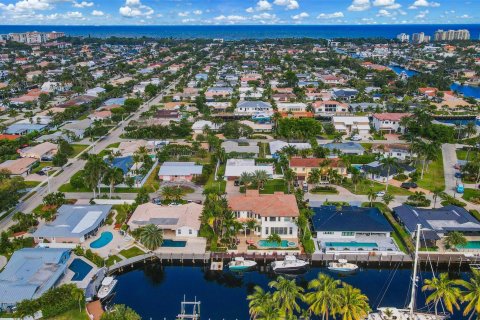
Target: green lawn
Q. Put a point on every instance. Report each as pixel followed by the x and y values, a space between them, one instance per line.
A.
pixel 153 182
pixel 31 184
pixel 131 252
pixel 462 154
pixel 73 314
pixel 364 187
pixel 400 235
pixel 471 194
pixel 43 165
pixel 270 187
pixel 434 177
pixel 121 215
pixel 112 260
pixel 217 185
pixel 77 148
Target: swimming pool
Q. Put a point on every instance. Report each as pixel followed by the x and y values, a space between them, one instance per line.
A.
pixel 168 243
pixel 471 245
pixel 271 244
pixel 352 244
pixel 80 268
pixel 104 239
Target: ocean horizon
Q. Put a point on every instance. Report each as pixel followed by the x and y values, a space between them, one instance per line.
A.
pixel 239 32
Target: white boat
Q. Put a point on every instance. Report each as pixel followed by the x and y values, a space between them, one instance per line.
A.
pixel 342 266
pixel 108 283
pixel 289 264
pixel 388 313
pixel 240 264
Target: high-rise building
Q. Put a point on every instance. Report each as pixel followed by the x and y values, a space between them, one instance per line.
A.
pixel 34 37
pixel 403 37
pixel 452 35
pixel 418 37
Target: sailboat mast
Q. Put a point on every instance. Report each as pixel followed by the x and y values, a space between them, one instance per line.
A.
pixel 415 270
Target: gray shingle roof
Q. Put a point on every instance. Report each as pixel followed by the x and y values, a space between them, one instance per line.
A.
pixel 179 169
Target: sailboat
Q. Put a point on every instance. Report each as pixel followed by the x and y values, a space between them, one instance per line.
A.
pixel 388 313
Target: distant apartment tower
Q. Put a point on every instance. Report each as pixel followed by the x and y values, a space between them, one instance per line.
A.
pixel 451 35
pixel 419 37
pixel 403 37
pixel 35 37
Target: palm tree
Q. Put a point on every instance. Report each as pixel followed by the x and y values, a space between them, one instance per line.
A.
pixel 444 290
pixel 94 170
pixel 168 193
pixel 356 178
pixel 252 224
pixel 353 304
pixel 245 179
pixel 274 238
pixel 454 239
pixel 314 176
pixel 257 301
pixel 286 295
pixel 78 294
pixel 389 163
pixel 372 196
pixel 324 297
pixel 471 294
pixel 113 177
pixel 151 237
pixel 289 176
pixel 387 198
pixel 436 193
pixel 260 177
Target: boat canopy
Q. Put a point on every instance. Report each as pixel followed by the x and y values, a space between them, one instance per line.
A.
pixel 342 260
pixel 107 281
pixel 239 259
pixel 290 258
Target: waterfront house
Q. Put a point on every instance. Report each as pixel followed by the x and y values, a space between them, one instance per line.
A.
pixel 19 167
pixel 30 272
pixel 175 221
pixel 437 223
pixel 73 224
pixel 253 107
pixel 236 167
pixel 378 172
pixel 200 125
pixel 389 122
pixel 25 128
pixel 303 166
pixel 352 228
pixel 345 148
pixel 43 151
pixel 275 213
pixel 351 125
pixel 179 171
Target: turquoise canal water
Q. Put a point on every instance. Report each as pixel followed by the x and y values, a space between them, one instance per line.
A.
pixel 101 242
pixel 399 70
pixel 351 244
pixel 155 291
pixel 80 268
pixel 468 91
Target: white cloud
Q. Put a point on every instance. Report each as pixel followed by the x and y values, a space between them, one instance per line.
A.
pixel 265 16
pixel 422 14
pixel 383 13
pixel 134 8
pixel 288 4
pixel 183 14
pixel 197 12
pixel 300 16
pixel 97 13
pixel 74 15
pixel 465 16
pixel 23 6
pixel 359 5
pixel 334 15
pixel 263 5
pixel 424 3
pixel 230 18
pixel 82 4
pixel 250 10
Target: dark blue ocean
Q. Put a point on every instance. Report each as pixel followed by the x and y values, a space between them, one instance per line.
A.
pixel 245 31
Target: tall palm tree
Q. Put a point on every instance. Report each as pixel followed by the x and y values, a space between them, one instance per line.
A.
pixel 356 178
pixel 79 295
pixel 443 290
pixel 389 163
pixel 471 294
pixel 112 177
pixel 94 170
pixel 246 179
pixel 168 193
pixel 289 176
pixel 257 301
pixel 372 196
pixel 151 237
pixel 436 193
pixel 454 239
pixel 353 304
pixel 287 295
pixel 314 176
pixel 324 297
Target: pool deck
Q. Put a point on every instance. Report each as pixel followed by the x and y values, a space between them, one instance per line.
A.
pixel 386 245
pixel 67 278
pixel 117 244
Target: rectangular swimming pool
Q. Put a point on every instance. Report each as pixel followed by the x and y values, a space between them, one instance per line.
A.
pixel 471 245
pixel 80 268
pixel 168 243
pixel 271 244
pixel 352 244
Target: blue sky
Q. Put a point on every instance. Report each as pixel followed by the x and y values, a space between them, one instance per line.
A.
pixel 211 12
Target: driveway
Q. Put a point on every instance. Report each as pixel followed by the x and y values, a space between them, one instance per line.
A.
pixel 449 155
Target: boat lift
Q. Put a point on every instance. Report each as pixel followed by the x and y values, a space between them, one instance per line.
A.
pixel 194 307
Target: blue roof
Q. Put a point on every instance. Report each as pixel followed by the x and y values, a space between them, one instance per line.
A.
pixel 328 218
pixel 123 163
pixel 344 146
pixel 119 101
pixel 30 272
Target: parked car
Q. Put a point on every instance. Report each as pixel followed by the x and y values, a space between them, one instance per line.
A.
pixel 157 201
pixel 236 183
pixel 409 185
pixel 458 174
pixel 356 138
pixel 460 188
pixel 46 169
pixel 41 173
pixel 305 186
pixel 380 193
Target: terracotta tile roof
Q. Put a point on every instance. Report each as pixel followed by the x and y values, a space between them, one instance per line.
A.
pixel 314 162
pixel 9 137
pixel 391 116
pixel 266 205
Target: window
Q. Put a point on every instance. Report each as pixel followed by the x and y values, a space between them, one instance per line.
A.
pixel 190 231
pixel 279 230
pixel 348 234
pixel 291 230
pixel 273 219
pixel 286 219
pixel 266 230
pixel 327 232
pixel 179 231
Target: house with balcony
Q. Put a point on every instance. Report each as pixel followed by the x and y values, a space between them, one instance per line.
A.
pixel 275 213
pixel 350 125
pixel 303 166
pixel 389 122
pixel 329 107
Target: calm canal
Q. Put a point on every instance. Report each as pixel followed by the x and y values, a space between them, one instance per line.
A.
pixel 155 291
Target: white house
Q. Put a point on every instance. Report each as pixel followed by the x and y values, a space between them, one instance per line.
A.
pixel 275 213
pixel 348 125
pixel 253 107
pixel 389 122
pixel 292 107
pixel 236 167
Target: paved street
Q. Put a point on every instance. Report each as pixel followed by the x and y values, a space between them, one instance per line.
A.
pixel 449 160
